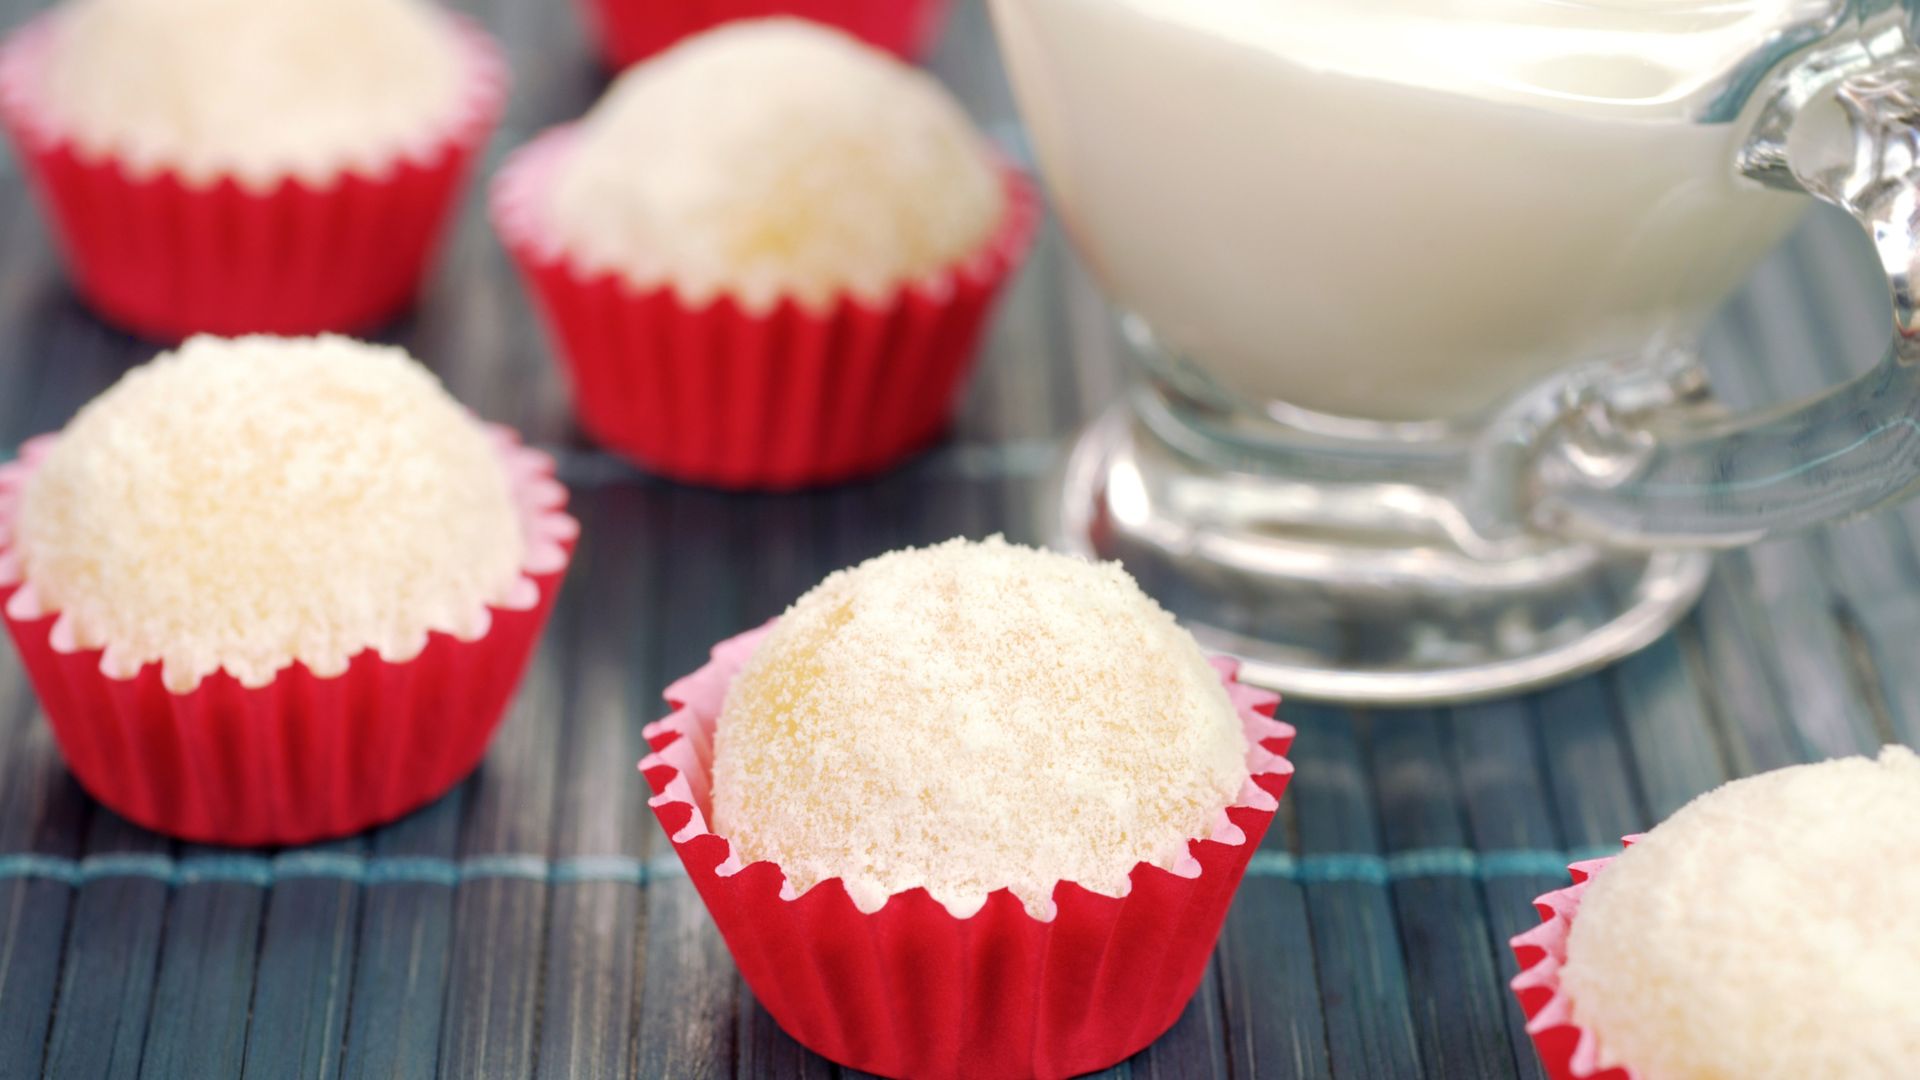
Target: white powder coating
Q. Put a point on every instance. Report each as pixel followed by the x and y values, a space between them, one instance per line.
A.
pixel 261 89
pixel 242 504
pixel 775 158
pixel 1768 929
pixel 969 717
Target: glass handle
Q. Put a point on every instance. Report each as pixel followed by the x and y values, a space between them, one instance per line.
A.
pixel 1845 128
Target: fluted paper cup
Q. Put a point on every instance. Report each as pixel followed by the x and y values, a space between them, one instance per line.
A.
pixel 166 257
pixel 719 395
pixel 912 990
pixel 1567 1050
pixel 631 30
pixel 304 757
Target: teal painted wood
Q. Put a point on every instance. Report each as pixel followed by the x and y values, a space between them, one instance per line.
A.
pixel 402 955
pixel 112 958
pixel 690 991
pixel 766 1051
pixel 100 1025
pixel 33 922
pixel 205 984
pixel 1758 737
pixel 1494 751
pixel 1363 983
pixel 1670 726
pixel 591 976
pixel 487 1029
pixel 590 1017
pixel 493 991
pixel 1819 704
pixel 304 977
pixel 1452 983
pixel 43 812
pixel 475 326
pixel 1334 965
pixel 1879 623
pixel 1593 791
pixel 1195 1047
pixel 1269 990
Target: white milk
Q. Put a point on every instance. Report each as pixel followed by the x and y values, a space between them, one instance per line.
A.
pixel 1399 209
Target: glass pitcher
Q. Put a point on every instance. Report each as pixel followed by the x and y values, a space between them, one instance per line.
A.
pixel 1415 287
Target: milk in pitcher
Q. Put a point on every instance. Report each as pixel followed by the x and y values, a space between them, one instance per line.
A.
pixel 1401 210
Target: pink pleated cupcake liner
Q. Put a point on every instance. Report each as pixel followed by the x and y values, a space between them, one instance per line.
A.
pixel 1567 1050
pixel 304 757
pixel 912 990
pixel 632 30
pixel 166 257
pixel 717 395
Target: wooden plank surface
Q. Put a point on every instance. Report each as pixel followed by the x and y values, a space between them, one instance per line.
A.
pixel 43 817
pixel 1452 957
pixel 1363 980
pixel 1494 752
pixel 204 989
pixel 533 922
pixel 303 982
pixel 404 949
pixel 112 958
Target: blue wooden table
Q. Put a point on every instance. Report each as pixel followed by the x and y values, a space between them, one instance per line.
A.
pixel 534 921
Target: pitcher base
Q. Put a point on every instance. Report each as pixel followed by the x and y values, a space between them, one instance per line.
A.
pixel 1361 593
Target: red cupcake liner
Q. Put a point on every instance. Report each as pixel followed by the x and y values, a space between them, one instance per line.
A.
pixel 725 397
pixel 1567 1050
pixel 631 30
pixel 911 990
pixel 165 258
pixel 303 758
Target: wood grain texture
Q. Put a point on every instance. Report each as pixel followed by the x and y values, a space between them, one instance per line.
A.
pixel 612 681
pixel 1269 989
pixel 1594 794
pixel 1452 984
pixel 1195 1047
pixel 1494 752
pixel 403 953
pixel 205 985
pixel 489 1027
pixel 43 813
pixel 112 957
pixel 1363 981
pixel 530 923
pixel 766 1051
pixel 304 977
pixel 1669 725
pixel 690 993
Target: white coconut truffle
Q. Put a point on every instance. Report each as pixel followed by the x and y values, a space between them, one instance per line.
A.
pixel 260 89
pixel 970 717
pixel 775 158
pixel 1766 930
pixel 243 504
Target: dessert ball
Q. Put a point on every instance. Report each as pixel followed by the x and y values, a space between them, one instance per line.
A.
pixel 260 89
pixel 1767 929
pixel 772 159
pixel 970 717
pixel 244 504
